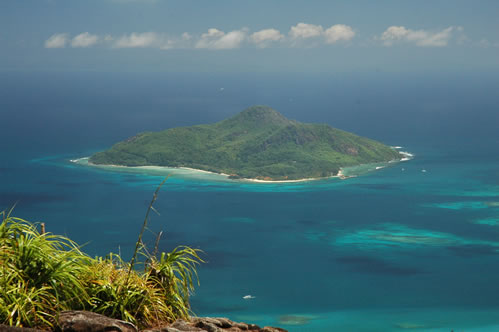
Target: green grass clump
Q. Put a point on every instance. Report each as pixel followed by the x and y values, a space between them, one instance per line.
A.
pixel 156 296
pixel 43 274
pixel 39 274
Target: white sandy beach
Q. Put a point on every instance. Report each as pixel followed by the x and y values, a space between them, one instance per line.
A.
pixel 339 175
pixel 162 169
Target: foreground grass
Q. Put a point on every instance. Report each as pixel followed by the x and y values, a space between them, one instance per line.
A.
pixel 43 274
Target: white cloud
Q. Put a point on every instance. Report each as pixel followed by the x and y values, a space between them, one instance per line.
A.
pixel 212 33
pixel 339 32
pixel 419 37
pixel 84 40
pixel 264 37
pixel 304 30
pixel 138 40
pixel 57 40
pixel 217 39
pixel 209 38
pixel 145 40
pixel 394 33
pixel 436 39
pixel 336 33
pixel 231 40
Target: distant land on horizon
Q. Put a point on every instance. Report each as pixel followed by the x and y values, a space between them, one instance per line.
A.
pixel 257 143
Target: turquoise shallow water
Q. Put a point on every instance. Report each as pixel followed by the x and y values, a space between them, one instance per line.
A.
pixel 391 250
pixel 409 247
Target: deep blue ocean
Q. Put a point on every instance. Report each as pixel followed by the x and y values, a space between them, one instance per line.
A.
pixel 414 246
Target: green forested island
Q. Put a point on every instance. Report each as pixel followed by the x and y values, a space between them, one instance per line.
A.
pixel 257 143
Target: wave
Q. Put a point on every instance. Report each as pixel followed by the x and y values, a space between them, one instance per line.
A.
pixel 407 155
pixel 79 159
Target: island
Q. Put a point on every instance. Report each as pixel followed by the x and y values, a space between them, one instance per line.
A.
pixel 258 143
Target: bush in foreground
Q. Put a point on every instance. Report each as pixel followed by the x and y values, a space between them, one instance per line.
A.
pixel 43 274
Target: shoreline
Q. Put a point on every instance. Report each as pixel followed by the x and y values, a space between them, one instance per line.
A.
pixel 151 167
pixel 340 175
pixel 226 176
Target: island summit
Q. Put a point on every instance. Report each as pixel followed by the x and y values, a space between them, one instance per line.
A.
pixel 258 143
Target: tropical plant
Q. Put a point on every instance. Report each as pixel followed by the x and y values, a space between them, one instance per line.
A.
pixel 175 272
pixel 43 274
pixel 115 293
pixel 39 274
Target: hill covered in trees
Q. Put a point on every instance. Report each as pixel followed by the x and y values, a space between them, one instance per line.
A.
pixel 257 143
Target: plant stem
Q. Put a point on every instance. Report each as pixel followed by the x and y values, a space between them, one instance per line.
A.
pixel 139 240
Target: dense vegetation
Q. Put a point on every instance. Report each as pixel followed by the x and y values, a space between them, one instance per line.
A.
pixel 43 274
pixel 257 143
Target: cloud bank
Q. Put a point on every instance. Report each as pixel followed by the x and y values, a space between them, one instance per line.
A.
pixel 425 38
pixel 300 35
pixel 334 34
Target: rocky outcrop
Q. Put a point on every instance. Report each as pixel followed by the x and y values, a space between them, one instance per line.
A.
pixel 84 321
pixel 209 324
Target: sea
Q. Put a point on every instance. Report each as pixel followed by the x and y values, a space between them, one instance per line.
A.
pixel 413 246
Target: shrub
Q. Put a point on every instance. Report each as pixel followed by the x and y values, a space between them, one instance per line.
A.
pixel 39 274
pixel 42 274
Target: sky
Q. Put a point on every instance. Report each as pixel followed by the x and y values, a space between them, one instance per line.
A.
pixel 249 35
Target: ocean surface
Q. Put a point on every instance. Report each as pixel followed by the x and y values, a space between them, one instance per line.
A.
pixel 413 246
